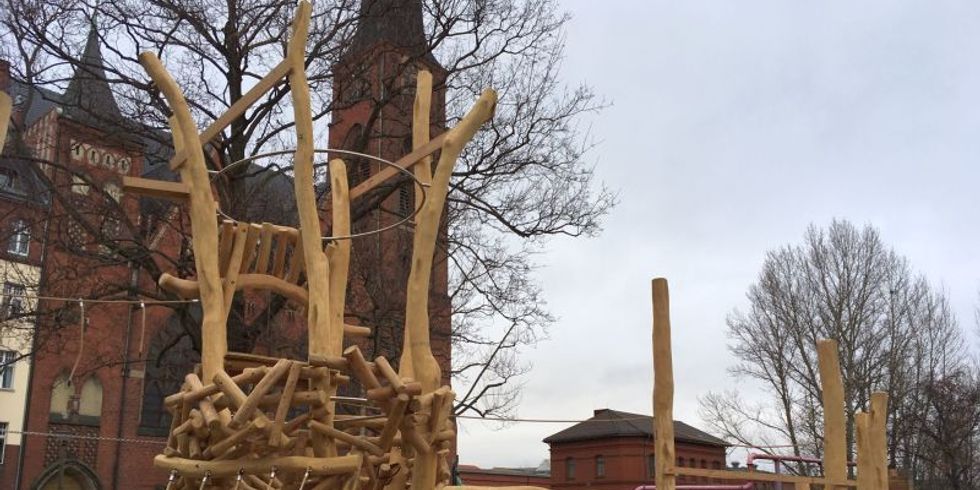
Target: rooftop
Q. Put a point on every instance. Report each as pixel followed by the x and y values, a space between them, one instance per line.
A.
pixel 606 423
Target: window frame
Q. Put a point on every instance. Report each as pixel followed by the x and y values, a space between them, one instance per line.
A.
pixel 600 466
pixel 20 238
pixel 14 297
pixel 3 440
pixel 7 370
pixel 569 468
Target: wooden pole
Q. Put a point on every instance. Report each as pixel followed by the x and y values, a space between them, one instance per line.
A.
pixel 317 269
pixel 6 107
pixel 203 212
pixel 426 368
pixel 338 252
pixel 879 439
pixel 865 465
pixel 663 389
pixel 835 434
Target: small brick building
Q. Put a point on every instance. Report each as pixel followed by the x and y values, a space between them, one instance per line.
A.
pixel 614 450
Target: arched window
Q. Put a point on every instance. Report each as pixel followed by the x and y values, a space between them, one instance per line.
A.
pixel 61 393
pixel 651 465
pixel 680 461
pixel 716 465
pixel 600 466
pixel 569 468
pixel 90 400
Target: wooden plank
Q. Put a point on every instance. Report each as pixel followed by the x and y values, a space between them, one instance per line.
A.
pixel 265 248
pixel 759 476
pixel 162 189
pixel 835 432
pixel 226 240
pixel 238 238
pixel 194 173
pixel 338 252
pixel 663 389
pixel 285 237
pixel 6 108
pixel 425 368
pixel 865 465
pixel 339 465
pixel 237 109
pixel 879 439
pixel 250 241
pixel 407 162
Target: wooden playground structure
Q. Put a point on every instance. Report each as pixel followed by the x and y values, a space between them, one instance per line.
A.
pixel 243 421
pixel 871 451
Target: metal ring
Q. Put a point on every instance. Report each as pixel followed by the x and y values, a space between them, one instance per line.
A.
pixel 421 186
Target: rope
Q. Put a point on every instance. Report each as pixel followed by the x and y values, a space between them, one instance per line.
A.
pixel 86 437
pixel 97 300
pixel 81 343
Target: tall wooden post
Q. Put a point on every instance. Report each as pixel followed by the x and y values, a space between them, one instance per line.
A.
pixel 835 434
pixel 865 465
pixel 6 107
pixel 204 226
pixel 879 438
pixel 663 389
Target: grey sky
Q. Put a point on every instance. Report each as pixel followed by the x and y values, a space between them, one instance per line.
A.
pixel 735 124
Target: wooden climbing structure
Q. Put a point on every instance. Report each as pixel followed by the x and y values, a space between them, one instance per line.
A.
pixel 871 450
pixel 246 421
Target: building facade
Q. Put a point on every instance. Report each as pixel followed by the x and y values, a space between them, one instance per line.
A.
pixel 615 450
pixel 97 381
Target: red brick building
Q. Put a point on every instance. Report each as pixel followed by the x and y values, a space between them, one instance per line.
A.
pixel 98 425
pixel 504 477
pixel 614 450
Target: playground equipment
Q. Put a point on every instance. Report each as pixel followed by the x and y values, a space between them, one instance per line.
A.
pixel 235 422
pixel 872 460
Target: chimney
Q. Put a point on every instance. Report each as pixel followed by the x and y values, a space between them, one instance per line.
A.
pixel 4 75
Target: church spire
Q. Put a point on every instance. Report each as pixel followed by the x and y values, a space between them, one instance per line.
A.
pixel 89 98
pixel 396 22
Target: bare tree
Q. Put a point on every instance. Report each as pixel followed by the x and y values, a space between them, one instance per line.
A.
pixel 896 334
pixel 524 180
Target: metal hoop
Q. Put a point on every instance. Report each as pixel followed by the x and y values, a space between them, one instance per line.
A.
pixel 419 184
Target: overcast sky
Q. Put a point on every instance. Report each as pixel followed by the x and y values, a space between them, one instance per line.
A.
pixel 734 125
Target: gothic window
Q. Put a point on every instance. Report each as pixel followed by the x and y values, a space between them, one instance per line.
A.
pixel 406 199
pixel 358 169
pixel 20 238
pixel 90 399
pixel 61 395
pixel 76 236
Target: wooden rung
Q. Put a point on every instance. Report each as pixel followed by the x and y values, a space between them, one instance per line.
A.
pixel 389 373
pixel 265 248
pixel 250 248
pixel 163 189
pixel 297 264
pixel 284 240
pixel 360 367
pixel 226 239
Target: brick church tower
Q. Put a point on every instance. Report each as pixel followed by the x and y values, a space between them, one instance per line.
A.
pixel 373 97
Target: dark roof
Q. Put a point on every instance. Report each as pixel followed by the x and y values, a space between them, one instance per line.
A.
pixel 607 423
pixel 398 22
pixel 89 98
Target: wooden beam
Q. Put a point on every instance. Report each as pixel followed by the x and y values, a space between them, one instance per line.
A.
pixel 237 109
pixel 879 439
pixel 214 340
pixel 6 108
pixel 663 389
pixel 759 476
pixel 835 432
pixel 163 189
pixel 407 162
